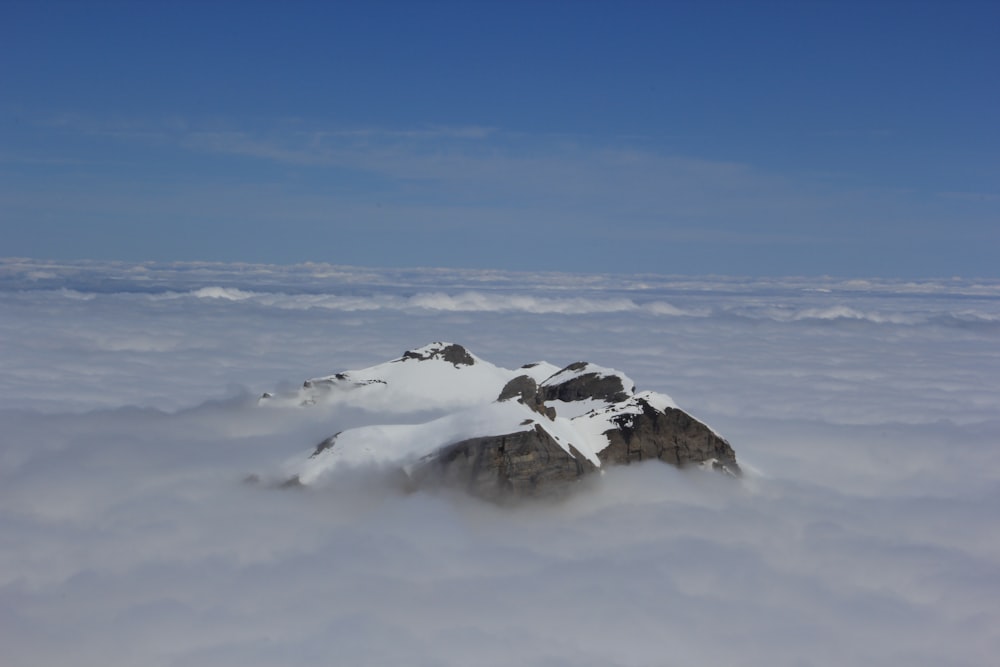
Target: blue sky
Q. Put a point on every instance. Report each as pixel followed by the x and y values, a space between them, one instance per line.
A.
pixel 735 138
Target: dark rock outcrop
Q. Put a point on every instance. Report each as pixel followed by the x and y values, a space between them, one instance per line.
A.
pixel 584 385
pixel 453 354
pixel 526 463
pixel 326 444
pixel 525 389
pixel 670 435
pixel 531 463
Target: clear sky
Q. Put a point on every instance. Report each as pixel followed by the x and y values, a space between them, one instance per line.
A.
pixel 764 138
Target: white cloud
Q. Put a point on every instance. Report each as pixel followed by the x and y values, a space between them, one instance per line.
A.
pixel 127 536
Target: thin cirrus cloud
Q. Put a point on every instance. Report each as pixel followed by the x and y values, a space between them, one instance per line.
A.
pixel 863 412
pixel 510 200
pixel 488 164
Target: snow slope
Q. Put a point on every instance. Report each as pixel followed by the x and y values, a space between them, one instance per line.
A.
pixel 420 380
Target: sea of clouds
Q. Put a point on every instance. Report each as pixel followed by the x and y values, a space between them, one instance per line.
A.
pixel 864 411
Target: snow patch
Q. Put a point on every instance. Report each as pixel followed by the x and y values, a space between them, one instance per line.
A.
pixel 406 384
pixel 407 443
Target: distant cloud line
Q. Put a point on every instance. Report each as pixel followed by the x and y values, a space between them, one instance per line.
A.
pixel 33 273
pixel 475 301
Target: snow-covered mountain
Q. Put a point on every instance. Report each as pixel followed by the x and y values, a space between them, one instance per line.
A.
pixel 523 431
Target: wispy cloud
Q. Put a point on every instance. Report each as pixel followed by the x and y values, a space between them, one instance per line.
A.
pixel 489 183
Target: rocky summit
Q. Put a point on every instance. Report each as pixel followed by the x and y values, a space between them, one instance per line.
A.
pixel 495 432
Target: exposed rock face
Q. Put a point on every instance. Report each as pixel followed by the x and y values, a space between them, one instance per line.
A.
pixel 531 463
pixel 546 429
pixel 579 385
pixel 326 444
pixel 526 463
pixel 453 354
pixel 670 435
pixel 525 389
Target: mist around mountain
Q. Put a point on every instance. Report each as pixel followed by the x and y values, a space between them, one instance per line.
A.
pixel 861 530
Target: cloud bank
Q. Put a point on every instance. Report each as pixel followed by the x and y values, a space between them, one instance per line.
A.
pixel 864 413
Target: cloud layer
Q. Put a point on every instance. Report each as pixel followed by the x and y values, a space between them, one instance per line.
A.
pixel 865 414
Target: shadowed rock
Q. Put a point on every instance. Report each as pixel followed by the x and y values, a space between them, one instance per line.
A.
pixel 527 463
pixel 454 354
pixel 532 462
pixel 586 385
pixel 525 389
pixel 670 435
pixel 325 445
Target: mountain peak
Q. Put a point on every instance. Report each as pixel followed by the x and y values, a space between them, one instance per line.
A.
pixel 450 352
pixel 496 431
